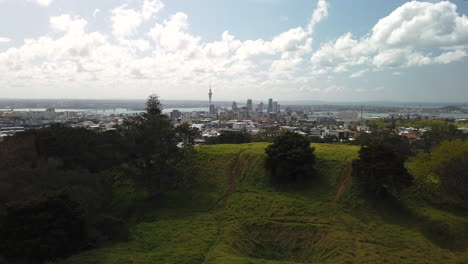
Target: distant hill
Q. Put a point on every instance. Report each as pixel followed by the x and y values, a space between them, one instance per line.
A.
pixel 452 108
pixel 234 215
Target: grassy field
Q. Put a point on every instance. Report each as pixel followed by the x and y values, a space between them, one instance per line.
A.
pixel 234 215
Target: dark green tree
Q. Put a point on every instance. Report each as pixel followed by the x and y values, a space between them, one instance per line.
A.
pixel 380 170
pixel 454 176
pixel 330 139
pixel 388 138
pixel 150 134
pixel 439 132
pixel 230 137
pixel 152 141
pixel 290 158
pixel 267 134
pixel 47 227
pixel 187 136
pixel 78 147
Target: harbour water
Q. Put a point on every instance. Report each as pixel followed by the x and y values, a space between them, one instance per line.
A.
pixel 201 109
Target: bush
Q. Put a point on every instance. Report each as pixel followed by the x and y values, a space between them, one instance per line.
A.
pixel 290 159
pixel 380 171
pixel 47 227
pixel 230 137
pixel 267 134
pixel 454 176
pixel 107 228
pixel 438 133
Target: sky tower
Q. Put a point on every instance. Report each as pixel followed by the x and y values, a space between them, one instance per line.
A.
pixel 210 94
pixel 212 108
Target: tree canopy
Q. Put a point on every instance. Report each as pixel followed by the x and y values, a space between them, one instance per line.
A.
pixel 57 183
pixel 290 158
pixel 43 228
pixel 230 137
pixel 380 169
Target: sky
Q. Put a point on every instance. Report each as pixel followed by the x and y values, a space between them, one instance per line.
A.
pixel 328 50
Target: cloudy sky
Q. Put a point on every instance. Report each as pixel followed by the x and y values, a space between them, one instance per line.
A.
pixel 334 50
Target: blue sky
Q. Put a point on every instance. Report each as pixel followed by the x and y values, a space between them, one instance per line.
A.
pixel 360 50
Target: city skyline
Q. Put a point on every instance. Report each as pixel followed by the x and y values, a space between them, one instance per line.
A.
pixel 307 50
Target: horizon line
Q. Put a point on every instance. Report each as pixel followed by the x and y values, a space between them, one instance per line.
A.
pixel 240 100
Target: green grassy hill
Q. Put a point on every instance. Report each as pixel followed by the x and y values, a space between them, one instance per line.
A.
pixel 233 215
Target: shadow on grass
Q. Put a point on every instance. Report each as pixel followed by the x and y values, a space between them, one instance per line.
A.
pixel 442 234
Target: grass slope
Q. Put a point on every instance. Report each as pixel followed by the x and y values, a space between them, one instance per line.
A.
pixel 234 215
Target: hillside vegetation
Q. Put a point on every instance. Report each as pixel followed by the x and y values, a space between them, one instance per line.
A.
pixel 234 215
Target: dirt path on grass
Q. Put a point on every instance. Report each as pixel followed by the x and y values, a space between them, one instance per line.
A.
pixel 235 175
pixel 347 175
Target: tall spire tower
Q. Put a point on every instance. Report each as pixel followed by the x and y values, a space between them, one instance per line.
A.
pixel 210 94
pixel 212 108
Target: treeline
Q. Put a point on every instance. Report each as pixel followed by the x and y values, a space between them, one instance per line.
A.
pixel 438 132
pixel 264 135
pixel 240 137
pixel 57 193
pixel 380 170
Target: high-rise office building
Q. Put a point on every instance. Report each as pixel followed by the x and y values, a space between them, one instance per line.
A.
pixel 274 107
pixel 234 106
pixel 175 114
pixel 260 107
pixel 249 105
pixel 270 105
pixel 211 107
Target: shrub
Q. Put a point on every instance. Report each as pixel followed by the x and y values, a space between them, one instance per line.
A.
pixel 290 159
pixel 454 176
pixel 230 137
pixel 380 169
pixel 46 227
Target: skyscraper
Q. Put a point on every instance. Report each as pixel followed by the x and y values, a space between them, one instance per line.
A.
pixel 274 107
pixel 212 108
pixel 249 105
pixel 234 106
pixel 260 108
pixel 270 105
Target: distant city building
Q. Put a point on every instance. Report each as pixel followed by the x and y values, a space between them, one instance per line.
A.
pixel 212 110
pixel 270 105
pixel 234 106
pixel 274 107
pixel 211 107
pixel 349 116
pixel 50 113
pixel 175 114
pixel 260 107
pixel 249 105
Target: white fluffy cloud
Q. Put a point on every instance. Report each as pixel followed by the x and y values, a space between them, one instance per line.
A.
pixel 43 2
pixel 125 21
pixel 68 24
pixel 4 40
pixel 415 34
pixel 173 57
pixel 318 15
pixel 143 53
pixel 96 12
pixel 172 36
pixel 358 74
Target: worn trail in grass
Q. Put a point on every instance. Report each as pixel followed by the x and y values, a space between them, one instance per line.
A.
pixel 234 215
pixel 347 174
